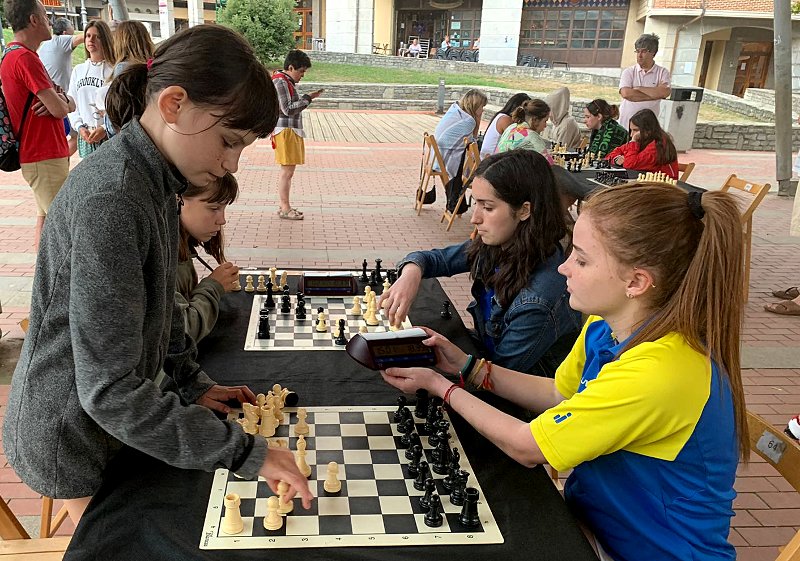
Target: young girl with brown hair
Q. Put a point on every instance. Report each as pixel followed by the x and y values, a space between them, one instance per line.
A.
pixel 648 408
pixel 529 119
pixel 650 148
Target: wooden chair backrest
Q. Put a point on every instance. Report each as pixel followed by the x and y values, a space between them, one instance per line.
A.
pixel 748 195
pixel 772 444
pixel 472 160
pixel 10 527
pixel 431 153
pixel 686 171
pixel 425 47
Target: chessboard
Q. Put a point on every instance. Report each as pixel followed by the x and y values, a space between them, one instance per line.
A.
pixel 288 333
pixel 378 504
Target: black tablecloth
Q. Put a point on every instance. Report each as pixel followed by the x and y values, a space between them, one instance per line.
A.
pixel 147 510
pixel 577 183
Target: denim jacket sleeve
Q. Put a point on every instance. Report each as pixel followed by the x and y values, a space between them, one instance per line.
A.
pixel 528 332
pixel 439 262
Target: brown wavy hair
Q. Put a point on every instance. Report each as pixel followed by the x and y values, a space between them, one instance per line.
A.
pixel 105 37
pixel 517 177
pixel 532 112
pixel 697 269
pixel 132 43
pixel 650 131
pixel 223 191
pixel 603 108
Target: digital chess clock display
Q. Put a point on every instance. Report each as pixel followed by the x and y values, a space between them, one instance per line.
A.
pixel 392 348
pixel 329 284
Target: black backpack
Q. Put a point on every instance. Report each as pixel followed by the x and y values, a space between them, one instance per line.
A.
pixel 9 145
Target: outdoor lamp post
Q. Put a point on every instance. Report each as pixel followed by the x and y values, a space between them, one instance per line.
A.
pixel 83 15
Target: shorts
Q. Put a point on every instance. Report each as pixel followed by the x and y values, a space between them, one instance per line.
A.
pixel 290 149
pixel 45 178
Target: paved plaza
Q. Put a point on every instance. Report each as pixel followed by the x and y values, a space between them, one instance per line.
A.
pixel 357 192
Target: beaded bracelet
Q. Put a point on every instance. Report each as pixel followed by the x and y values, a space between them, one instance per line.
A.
pixel 446 398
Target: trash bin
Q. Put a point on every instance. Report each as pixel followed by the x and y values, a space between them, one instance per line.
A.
pixel 678 115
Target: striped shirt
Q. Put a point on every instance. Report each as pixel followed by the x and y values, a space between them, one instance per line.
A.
pixel 291 105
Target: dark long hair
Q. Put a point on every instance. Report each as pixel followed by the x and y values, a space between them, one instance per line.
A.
pixel 603 108
pixel 650 131
pixel 532 112
pixel 519 176
pixel 513 102
pixel 223 191
pixel 218 70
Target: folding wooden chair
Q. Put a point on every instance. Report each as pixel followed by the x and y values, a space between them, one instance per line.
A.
pixel 430 154
pixel 782 453
pixel 686 170
pixel 49 525
pixel 471 161
pixel 748 196
pixel 17 544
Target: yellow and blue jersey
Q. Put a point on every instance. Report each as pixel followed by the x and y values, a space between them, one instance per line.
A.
pixel 652 440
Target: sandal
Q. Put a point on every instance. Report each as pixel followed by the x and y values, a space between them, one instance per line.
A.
pixel 788 294
pixel 291 214
pixel 785 308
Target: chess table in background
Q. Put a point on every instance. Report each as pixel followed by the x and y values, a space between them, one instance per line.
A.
pixel 378 504
pixel 288 333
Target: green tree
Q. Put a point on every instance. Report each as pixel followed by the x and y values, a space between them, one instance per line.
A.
pixel 267 24
pixel 796 7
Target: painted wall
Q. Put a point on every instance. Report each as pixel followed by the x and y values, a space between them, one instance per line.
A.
pixel 633 30
pixel 384 24
pixel 349 26
pixel 500 26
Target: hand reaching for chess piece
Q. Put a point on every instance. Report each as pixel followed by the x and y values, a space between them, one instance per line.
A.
pixel 397 300
pixel 280 465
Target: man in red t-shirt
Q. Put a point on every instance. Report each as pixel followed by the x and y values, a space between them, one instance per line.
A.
pixel 43 150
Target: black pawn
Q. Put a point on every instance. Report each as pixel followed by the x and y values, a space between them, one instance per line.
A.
pixel 286 304
pixel 458 494
pixel 270 303
pixel 414 440
pixel 434 517
pixel 416 456
pixel 431 417
pixel 423 474
pixel 421 409
pixel 403 425
pixel 300 310
pixel 401 403
pixel 391 274
pixel 425 500
pixel 340 338
pixel 364 277
pixel 469 517
pixel 446 314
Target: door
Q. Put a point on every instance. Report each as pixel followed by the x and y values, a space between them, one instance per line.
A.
pixel 303 33
pixel 752 67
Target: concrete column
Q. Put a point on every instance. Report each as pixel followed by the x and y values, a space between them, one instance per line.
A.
pixel 166 14
pixel 316 18
pixel 195 10
pixel 349 25
pixel 500 28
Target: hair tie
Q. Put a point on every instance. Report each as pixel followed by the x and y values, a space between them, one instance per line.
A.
pixel 695 204
pixel 149 63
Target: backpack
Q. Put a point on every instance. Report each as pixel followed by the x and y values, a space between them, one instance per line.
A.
pixel 9 145
pixel 455 188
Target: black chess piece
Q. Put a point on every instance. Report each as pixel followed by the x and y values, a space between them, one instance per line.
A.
pixel 263 325
pixel 416 456
pixel 431 418
pixel 569 165
pixel 270 302
pixel 580 165
pixel 405 440
pixel 455 466
pixel 441 455
pixel 445 313
pixel 401 402
pixel 391 274
pixel 430 488
pixel 433 517
pixel 364 267
pixel 300 310
pixel 340 338
pixel 421 408
pixel 286 303
pixel 403 426
pixel 378 271
pixel 469 517
pixel 423 474
pixel 414 440
pixel 457 495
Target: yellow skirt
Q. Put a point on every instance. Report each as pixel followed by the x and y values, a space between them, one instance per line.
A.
pixel 290 150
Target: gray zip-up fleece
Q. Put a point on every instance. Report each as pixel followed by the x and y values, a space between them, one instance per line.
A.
pixel 103 322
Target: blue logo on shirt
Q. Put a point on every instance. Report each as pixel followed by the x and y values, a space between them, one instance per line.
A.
pixel 559 418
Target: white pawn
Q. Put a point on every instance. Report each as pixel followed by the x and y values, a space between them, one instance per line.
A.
pixel 284 506
pixel 367 290
pixel 332 483
pixel 301 462
pixel 261 287
pixel 301 427
pixel 237 286
pixel 356 309
pixel 248 284
pixel 371 317
pixel 276 390
pixel 273 520
pixel 322 325
pixel 386 285
pixel 284 279
pixel 232 523
pixel 261 400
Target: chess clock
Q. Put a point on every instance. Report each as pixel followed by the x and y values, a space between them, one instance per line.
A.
pixel 328 284
pixel 379 351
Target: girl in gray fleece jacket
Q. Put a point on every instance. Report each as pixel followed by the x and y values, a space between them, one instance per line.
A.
pixel 103 313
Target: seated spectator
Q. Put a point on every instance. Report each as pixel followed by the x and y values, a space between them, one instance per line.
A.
pixel 520 309
pixel 607 133
pixel 501 121
pixel 565 129
pixel 650 148
pixel 459 123
pixel 202 217
pixel 414 48
pixel 528 121
pixel 445 46
pixel 476 44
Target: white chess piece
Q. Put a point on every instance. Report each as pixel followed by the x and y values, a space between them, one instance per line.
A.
pixel 273 277
pixel 300 459
pixel 367 290
pixel 261 287
pixel 332 483
pixel 356 309
pixel 261 400
pixel 268 424
pixel 322 325
pixel 284 506
pixel 248 284
pixel 273 520
pixel 301 427
pixel 371 317
pixel 386 285
pixel 363 329
pixel 232 523
pixel 284 279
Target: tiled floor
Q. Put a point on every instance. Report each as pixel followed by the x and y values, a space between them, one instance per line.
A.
pixel 358 201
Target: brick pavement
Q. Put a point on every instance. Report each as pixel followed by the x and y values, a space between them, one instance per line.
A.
pixel 358 201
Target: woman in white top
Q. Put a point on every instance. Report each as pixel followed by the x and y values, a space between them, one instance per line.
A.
pixel 500 123
pixel 459 123
pixel 87 78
